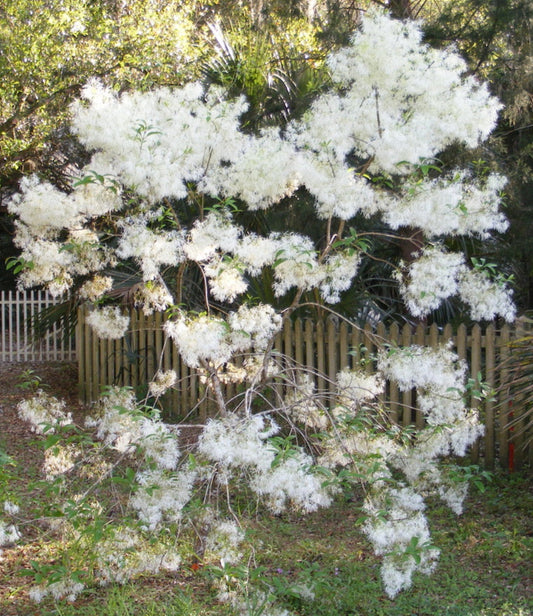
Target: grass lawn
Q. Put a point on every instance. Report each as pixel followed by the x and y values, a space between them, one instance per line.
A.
pixel 318 565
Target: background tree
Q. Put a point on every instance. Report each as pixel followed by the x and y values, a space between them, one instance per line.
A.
pixel 495 38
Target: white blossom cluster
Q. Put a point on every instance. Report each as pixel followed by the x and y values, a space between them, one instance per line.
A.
pixel 396 524
pixel 486 298
pixel 176 136
pixel 150 249
pixel 108 322
pixel 56 264
pixel 438 376
pixel 213 340
pixel 161 495
pixel 409 112
pixel 43 214
pixel 63 589
pixel 354 387
pixel 437 275
pixel 59 460
pixel 403 525
pixel 165 143
pixel 96 287
pixel 163 381
pixel 301 404
pixel 11 508
pixel 273 165
pixel 233 443
pixel 8 533
pixel 223 542
pixel 122 426
pixel 451 205
pixel 44 412
pixel 240 446
pixel 127 554
pixel 430 279
pixel 291 483
pixel 152 296
pixel 44 210
pixel 226 278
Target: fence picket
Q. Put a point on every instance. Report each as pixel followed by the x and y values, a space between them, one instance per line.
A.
pixel 475 369
pixel 490 340
pixel 394 392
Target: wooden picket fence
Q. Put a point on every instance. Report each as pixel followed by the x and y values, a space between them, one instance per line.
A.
pixel 323 348
pixel 18 309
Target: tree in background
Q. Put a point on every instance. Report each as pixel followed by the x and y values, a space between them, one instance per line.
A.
pixel 495 39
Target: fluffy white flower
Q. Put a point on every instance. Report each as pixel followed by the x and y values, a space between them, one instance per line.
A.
pixel 152 296
pixel 158 141
pixel 436 373
pixel 11 508
pixel 161 496
pixel 355 387
pixel 411 111
pixel 430 279
pixel 454 496
pixel 270 161
pixel 95 288
pixel 236 444
pixel 44 412
pixel 59 460
pixel 296 264
pixel 233 442
pixel 223 542
pixel 301 404
pixel 63 589
pixel 339 271
pixel 45 210
pixel 291 483
pixel 403 527
pixel 455 204
pixel 486 299
pixel 108 322
pixel 256 252
pixel 149 248
pixel 163 381
pixel 201 339
pixel 338 191
pixel 123 427
pixel 50 265
pixel 216 233
pixel 127 554
pixel 253 326
pixel 8 533
pixel 42 207
pixel 226 279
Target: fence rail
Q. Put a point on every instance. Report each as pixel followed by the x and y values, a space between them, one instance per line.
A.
pixel 323 348
pixel 18 311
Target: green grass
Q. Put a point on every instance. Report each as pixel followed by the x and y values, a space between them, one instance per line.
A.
pixel 484 569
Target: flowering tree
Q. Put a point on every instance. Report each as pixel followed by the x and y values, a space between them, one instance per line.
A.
pixel 171 176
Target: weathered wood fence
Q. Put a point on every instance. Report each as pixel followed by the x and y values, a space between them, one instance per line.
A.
pixel 17 340
pixel 323 348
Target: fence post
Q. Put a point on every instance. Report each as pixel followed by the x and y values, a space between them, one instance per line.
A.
pixel 490 338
